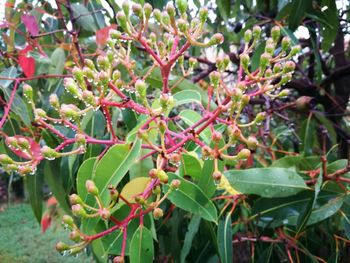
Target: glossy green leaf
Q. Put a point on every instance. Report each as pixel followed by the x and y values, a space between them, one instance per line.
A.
pixel 58 58
pixel 192 230
pixel 191 198
pixel 34 184
pixel 266 182
pixel 84 17
pixel 224 237
pixel 190 117
pixel 297 13
pixel 85 172
pixel 141 246
pixel 224 7
pixel 111 169
pixel 187 96
pixel 191 166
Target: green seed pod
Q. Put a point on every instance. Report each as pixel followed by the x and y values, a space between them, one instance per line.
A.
pixel 5 159
pixel 157 15
pixel 148 10
pixel 114 194
pixel 245 60
pixel 256 32
pixel 158 213
pixel 181 6
pixel 203 14
pixel 275 33
pixel 91 187
pixel 243 154
pixel 216 39
pixel 162 176
pixel 252 142
pixel 170 9
pixel 285 44
pixel 248 36
pixel 121 19
pixel 141 88
pixel 68 220
pixel 126 8
pixel 78 210
pixel 215 79
pixel 139 200
pixel 28 92
pixel 137 10
pixel 156 190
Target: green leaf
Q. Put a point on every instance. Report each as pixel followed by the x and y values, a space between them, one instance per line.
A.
pixel 34 184
pixel 266 182
pixel 191 232
pixel 84 17
pixel 297 12
pixel 224 7
pixel 187 96
pixel 54 180
pixel 224 237
pixel 85 172
pixel 58 58
pixel 191 198
pixel 191 166
pixel 141 246
pixel 301 163
pixel 308 135
pixel 190 117
pixel 134 187
pixel 114 165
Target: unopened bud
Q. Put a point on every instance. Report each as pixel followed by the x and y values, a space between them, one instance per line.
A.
pixel 217 175
pixel 60 247
pixel 216 39
pixel 12 142
pixel 88 97
pixel 148 10
pixel 275 33
pixel 175 184
pixel 140 199
pixel 74 236
pixel 121 19
pixel 284 93
pixel 104 213
pixel 264 60
pixel 5 159
pixel 39 113
pixel 289 67
pixel 182 25
pixel 193 62
pixel 157 14
pixel 243 154
pixel 103 63
pixel 49 153
pixel 170 9
pixel 141 88
pixel 25 169
pixel 91 187
pixel 295 50
pixel 28 92
pixel 78 74
pixel 78 210
pixel 54 101
pixel 236 94
pixel 114 194
pixel 126 8
pixel 252 142
pixel 137 10
pixel 68 220
pixel 158 213
pixel 181 6
pixel 215 79
pixel 156 190
pixel 165 18
pixel 270 49
pixel 115 34
pixel 23 143
pixel 75 199
pixel 245 60
pixel 118 259
pixel 260 117
pixel 216 136
pixel 206 151
pixel 162 176
pixel 256 32
pixel 203 14
pixel 285 44
pixel 277 68
pixel 248 35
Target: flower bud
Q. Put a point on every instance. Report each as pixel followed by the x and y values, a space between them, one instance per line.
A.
pixel 284 93
pixel 295 50
pixel 75 199
pixel 153 173
pixel 181 6
pixel 60 247
pixel 89 73
pixel 264 60
pixel 23 143
pixel 49 153
pixel 245 100
pixel 68 220
pixel 77 74
pixel 170 9
pixel 137 10
pixel 203 14
pixel 78 210
pixel 215 79
pixel 88 97
pixel 148 10
pixel 260 117
pixel 175 184
pixel 80 139
pixel 234 132
pixel 277 68
pixel 69 111
pixel 5 159
pixel 217 175
pixel 103 77
pixel 222 63
pixel 104 213
pixel 164 100
pixel 89 63
pixel 23 170
pixel 126 8
pixel 243 154
pixel 216 39
pixel 156 190
pixel 165 18
pixel 121 19
pixel 39 113
pixel 216 136
pixel 162 176
pixel 54 101
pixel 194 23
pixel 114 194
pixel 252 142
pixel 114 34
pixel 118 259
pixel 12 142
pixel 245 60
pixel 141 88
pixel 157 15
pixel 286 78
pixel 270 48
pixel 103 63
pixel 71 87
pixel 256 32
pixel 247 36
pixel 182 25
pixel 236 94
pixel 158 213
pixel 275 33
pixel 140 199
pixel 10 167
pixel 28 92
pixel 285 44
pixel 91 187
pixel 162 126
pixel 142 134
pixel 289 66
pixel 268 73
pixel 74 236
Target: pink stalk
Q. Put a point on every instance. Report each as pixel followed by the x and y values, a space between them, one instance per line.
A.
pixel 9 104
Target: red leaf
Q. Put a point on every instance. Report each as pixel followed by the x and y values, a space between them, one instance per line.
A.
pixel 27 63
pixel 45 222
pixel 33 146
pixel 31 24
pixel 103 34
pixel 51 202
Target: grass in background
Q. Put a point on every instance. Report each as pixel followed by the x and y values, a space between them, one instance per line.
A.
pixel 21 240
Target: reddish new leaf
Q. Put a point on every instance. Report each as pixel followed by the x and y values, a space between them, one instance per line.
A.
pixel 45 222
pixel 51 202
pixel 103 34
pixel 33 146
pixel 31 24
pixel 26 62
